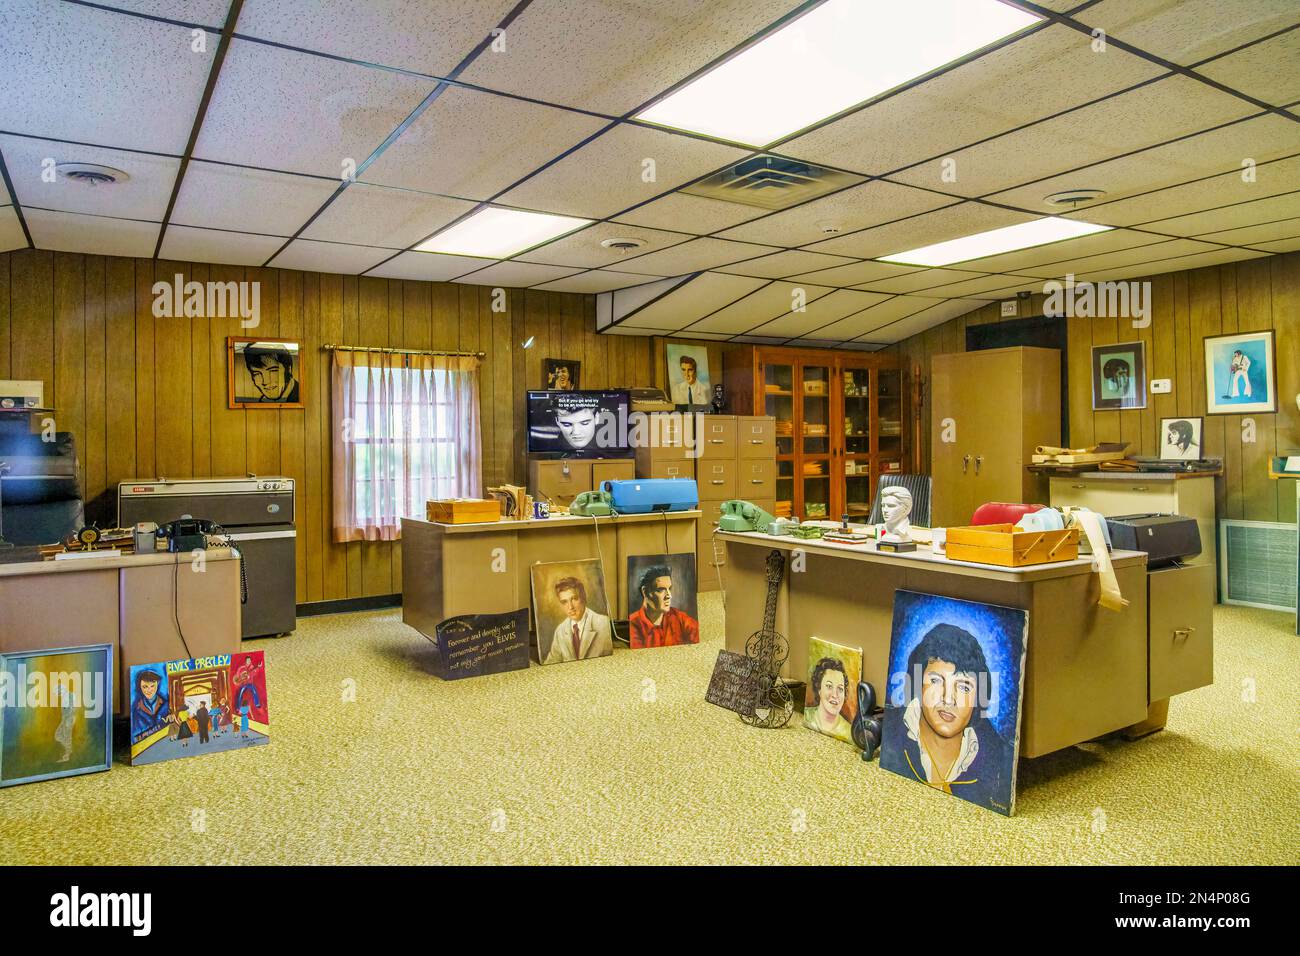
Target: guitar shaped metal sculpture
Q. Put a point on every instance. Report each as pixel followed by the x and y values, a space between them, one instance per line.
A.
pixel 773 703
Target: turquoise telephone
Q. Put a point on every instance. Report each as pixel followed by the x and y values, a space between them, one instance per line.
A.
pixel 738 515
pixel 592 504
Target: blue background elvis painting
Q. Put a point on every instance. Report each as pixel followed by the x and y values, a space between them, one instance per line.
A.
pixel 970 757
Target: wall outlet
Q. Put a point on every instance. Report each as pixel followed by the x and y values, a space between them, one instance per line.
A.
pixel 1010 309
pixel 1161 386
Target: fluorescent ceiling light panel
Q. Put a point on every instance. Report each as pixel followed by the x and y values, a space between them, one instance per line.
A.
pixel 495 233
pixel 1007 239
pixel 833 57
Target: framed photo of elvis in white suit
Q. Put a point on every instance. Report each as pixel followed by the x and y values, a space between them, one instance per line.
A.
pixel 1239 374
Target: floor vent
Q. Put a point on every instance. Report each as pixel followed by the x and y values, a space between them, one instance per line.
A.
pixel 1258 564
pixel 772 182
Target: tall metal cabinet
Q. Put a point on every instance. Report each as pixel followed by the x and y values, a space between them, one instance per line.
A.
pixel 841 421
pixel 988 410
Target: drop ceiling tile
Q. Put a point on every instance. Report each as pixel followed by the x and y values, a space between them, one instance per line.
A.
pixel 143 195
pixel 857 274
pixel 1173 264
pixel 382 216
pixel 186 244
pixel 613 55
pixel 429 266
pixel 74 72
pixel 1187 31
pixel 1285 245
pixel 495 142
pixel 101 236
pixel 761 305
pixel 820 313
pixel 690 214
pixel 607 175
pixel 693 256
pixel 208 13
pixel 1255 235
pixel 1267 71
pixel 11 230
pixel 879 316
pixel 855 208
pixel 1230 217
pixel 598 280
pixel 982 287
pixel 1117 260
pixel 916 281
pixel 692 300
pixel 279 109
pixel 1143 117
pixel 1262 138
pixel 952 222
pixel 583 249
pixel 925 319
pixel 1227 189
pixel 248 200
pixel 334 257
pixel 781 264
pixel 408 34
pixel 1110 241
pixel 1046 72
pixel 515 274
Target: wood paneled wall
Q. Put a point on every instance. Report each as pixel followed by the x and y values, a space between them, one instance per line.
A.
pixel 146 396
pixel 1186 307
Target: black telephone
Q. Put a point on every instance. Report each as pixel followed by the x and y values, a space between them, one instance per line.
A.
pixel 191 534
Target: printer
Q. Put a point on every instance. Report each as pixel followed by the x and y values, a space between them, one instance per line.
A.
pixel 1166 539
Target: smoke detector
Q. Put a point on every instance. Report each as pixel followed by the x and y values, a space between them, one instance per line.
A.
pixel 91 174
pixel 622 243
pixel 1072 197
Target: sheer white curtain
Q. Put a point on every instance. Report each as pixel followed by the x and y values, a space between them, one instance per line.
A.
pixel 406 430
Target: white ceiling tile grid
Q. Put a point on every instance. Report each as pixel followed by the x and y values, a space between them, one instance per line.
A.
pixel 280 109
pixel 693 256
pixel 427 266
pixel 1188 31
pixel 68 232
pixel 515 274
pixel 314 256
pixel 96 76
pixel 187 244
pixel 383 216
pixel 583 249
pixel 217 196
pixel 11 230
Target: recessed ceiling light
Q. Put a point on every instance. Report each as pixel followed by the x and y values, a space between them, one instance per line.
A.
pixel 1007 239
pixel 494 233
pixel 833 57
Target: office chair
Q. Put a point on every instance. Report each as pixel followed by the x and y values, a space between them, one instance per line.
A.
pixel 918 485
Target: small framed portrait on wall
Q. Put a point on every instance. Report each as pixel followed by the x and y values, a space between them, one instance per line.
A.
pixel 1239 374
pixel 264 373
pixel 562 374
pixel 1119 376
pixel 1180 439
pixel 688 376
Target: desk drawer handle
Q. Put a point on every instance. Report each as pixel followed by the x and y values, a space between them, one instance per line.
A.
pixel 1140 488
pixel 716 441
pixel 757 481
pixel 1183 633
pixel 757 441
pixel 717 481
pixel 1078 486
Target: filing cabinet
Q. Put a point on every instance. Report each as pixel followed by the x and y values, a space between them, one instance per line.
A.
pixel 559 481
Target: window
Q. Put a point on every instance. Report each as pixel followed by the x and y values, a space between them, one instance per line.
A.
pixel 406 432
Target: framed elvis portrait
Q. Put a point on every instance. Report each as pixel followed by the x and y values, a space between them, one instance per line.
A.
pixel 264 373
pixel 1119 376
pixel 1239 374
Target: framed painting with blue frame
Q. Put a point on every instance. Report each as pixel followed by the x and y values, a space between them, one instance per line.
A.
pixel 56 713
pixel 952 708
pixel 1239 374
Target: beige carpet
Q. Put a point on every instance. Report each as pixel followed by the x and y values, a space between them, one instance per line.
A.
pixel 620 761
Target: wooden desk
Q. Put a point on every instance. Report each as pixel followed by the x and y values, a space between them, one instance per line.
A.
pixel 482 568
pixel 1085 667
pixel 130 601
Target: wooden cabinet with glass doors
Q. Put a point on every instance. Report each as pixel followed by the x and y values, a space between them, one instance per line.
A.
pixel 842 420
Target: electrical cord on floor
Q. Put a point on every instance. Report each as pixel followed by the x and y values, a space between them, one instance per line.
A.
pixel 600 557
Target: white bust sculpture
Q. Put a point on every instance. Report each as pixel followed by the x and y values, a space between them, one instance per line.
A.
pixel 896 506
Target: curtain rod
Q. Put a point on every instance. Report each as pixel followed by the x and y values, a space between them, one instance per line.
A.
pixel 362 348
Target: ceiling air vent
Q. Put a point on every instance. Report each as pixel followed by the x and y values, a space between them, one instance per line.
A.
pixel 91 174
pixel 772 182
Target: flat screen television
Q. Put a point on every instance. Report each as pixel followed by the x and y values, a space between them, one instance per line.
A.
pixel 574 424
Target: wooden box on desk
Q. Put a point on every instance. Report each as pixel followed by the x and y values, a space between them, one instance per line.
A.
pixel 462 510
pixel 1004 546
